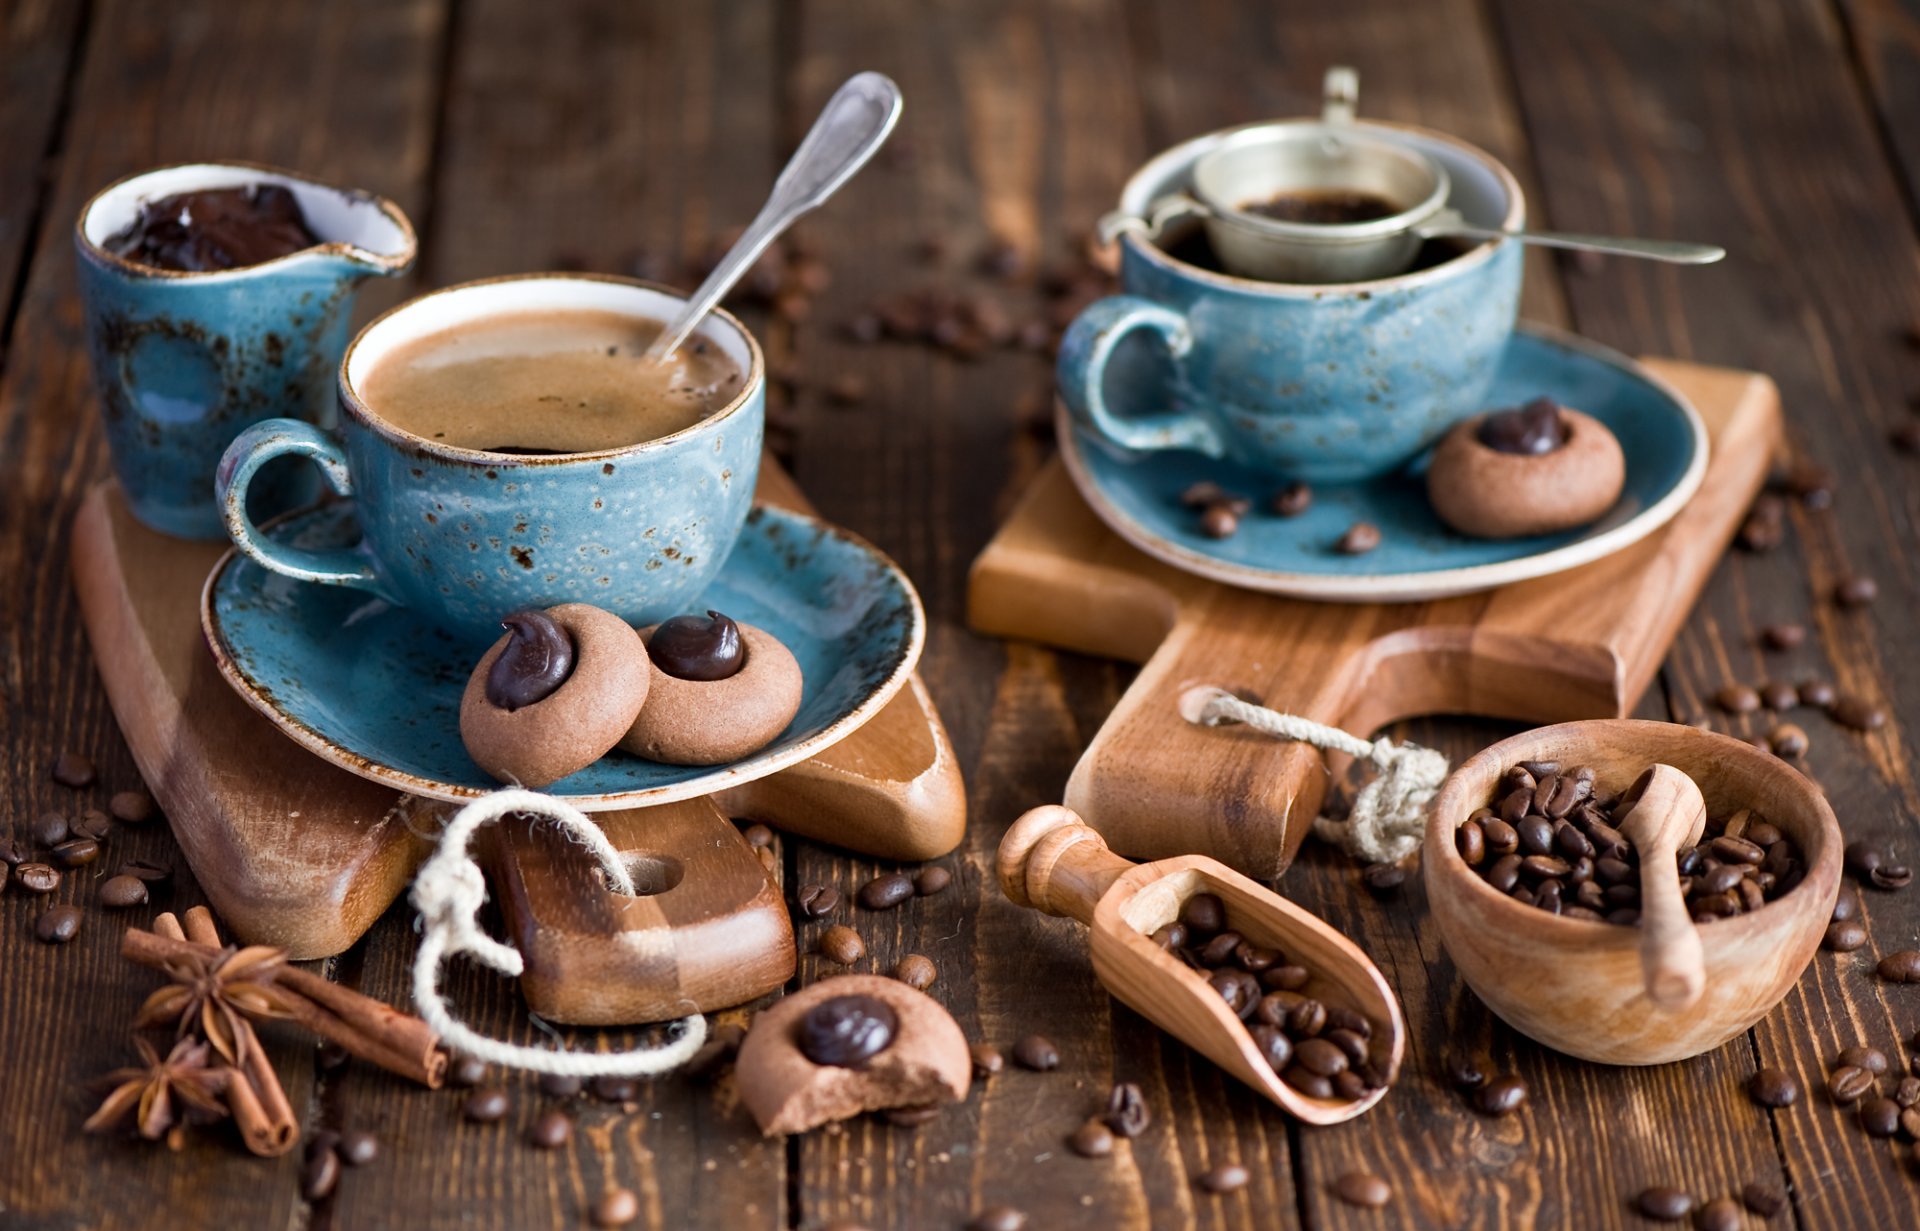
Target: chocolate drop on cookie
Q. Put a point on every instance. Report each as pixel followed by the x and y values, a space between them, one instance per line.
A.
pixel 847 1031
pixel 216 228
pixel 538 659
pixel 1532 430
pixel 692 647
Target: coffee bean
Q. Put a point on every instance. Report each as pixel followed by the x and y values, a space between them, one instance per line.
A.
pixel 998 1218
pixel 1383 879
pixel 1273 1045
pixel 1857 713
pixel 1890 876
pixel 466 1071
pixel 1238 989
pixel 1856 591
pixel 1763 1198
pixel 931 881
pixel 12 851
pixel 552 1129
pixel 1254 958
pixel 151 873
pixel 1783 636
pixel 1663 1204
pixel 1776 695
pixel 1737 699
pixel 1363 1189
pixel 842 944
pixel 1787 740
pixel 1467 1071
pixel 120 892
pixel 1735 850
pixel 486 1105
pixel 1500 1096
pixel 815 901
pixel 757 835
pixel 1306 1082
pixel 1815 692
pixel 1909 1122
pixel 75 852
pixel 562 1085
pixel 1292 500
pixel 1091 1140
pixel 1036 1052
pixel 987 1061
pixel 1219 950
pixel 1204 914
pixel 1872 1059
pixel 610 1088
pixel 71 769
pixel 357 1149
pixel 320 1176
pixel 1902 966
pixel 58 925
pixel 916 971
pixel 1849 1084
pixel 1536 835
pixel 37 877
pixel 1306 1019
pixel 616 1208
pixel 1226 1178
pixel 1471 841
pixel 1907 1093
pixel 1172 936
pixel 1721 1214
pixel 131 807
pixel 1879 1116
pixel 1361 537
pixel 1319 1056
pixel 1286 978
pixel 1217 521
pixel 94 824
pixel 1127 1113
pixel 886 892
pixel 1845 936
pixel 1773 1088
pixel 51 829
pixel 1862 857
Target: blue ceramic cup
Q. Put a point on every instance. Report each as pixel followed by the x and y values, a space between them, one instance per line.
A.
pixel 465 536
pixel 1323 383
pixel 185 361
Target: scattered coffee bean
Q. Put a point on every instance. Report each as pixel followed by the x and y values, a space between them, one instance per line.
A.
pixel 1766 525
pixel 1363 1189
pixel 609 1088
pixel 816 901
pixel 1361 537
pixel 1872 1059
pixel 1091 1140
pixel 1467 1071
pixel 1778 695
pixel 757 835
pixel 466 1071
pixel 486 1105
pixel 1890 876
pixel 1879 1116
pixel 320 1175
pixel 1907 1093
pixel 121 892
pixel 12 851
pixel 1857 713
pixel 842 944
pixel 1845 936
pixel 1773 1088
pixel 1127 1113
pixel 1783 636
pixel 1226 1178
pixel 70 769
pixel 1815 692
pixel 1810 481
pixel 1849 1084
pixel 357 1149
pixel 1384 879
pixel 50 829
pixel 1902 966
pixel 1856 591
pixel 1862 857
pixel 1292 500
pixel 1036 1052
pixel 562 1085
pixel 1787 740
pixel 1663 1204
pixel 1218 521
pixel 1500 1096
pixel 931 881
pixel 551 1130
pixel 152 873
pixel 131 807
pixel 847 389
pixel 1737 699
pixel 616 1208
pixel 916 971
pixel 886 892
pixel 58 925
pixel 1763 1197
pixel 987 1061
pixel 94 824
pixel 998 1218
pixel 75 852
pixel 1721 1214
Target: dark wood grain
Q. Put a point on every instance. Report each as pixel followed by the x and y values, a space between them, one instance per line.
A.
pixel 38 42
pixel 1884 37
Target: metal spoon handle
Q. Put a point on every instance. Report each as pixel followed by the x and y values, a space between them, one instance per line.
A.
pixel 1677 251
pixel 854 123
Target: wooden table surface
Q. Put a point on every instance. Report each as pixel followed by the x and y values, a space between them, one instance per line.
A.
pixel 524 136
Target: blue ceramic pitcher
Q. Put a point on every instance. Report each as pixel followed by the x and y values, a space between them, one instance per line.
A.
pixel 186 361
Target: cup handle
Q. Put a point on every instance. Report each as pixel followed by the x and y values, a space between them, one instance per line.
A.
pixel 254 448
pixel 1082 374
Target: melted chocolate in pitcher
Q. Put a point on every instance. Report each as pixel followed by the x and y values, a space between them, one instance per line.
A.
pixel 215 228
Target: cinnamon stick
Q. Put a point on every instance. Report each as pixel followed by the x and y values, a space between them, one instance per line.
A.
pixel 198 925
pixel 167 924
pixel 258 1101
pixel 375 1032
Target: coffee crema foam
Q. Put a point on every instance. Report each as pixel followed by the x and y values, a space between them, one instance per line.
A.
pixel 554 381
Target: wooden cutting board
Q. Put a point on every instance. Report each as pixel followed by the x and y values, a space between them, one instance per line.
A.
pixel 1583 644
pixel 294 852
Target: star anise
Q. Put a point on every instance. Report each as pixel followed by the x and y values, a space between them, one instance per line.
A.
pixel 219 992
pixel 153 1098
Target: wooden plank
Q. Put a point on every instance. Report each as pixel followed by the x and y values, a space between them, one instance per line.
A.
pixel 345 93
pixel 1884 38
pixel 38 42
pixel 1749 125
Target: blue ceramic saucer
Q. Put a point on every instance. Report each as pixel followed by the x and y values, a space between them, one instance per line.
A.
pixel 1419 558
pixel 376 690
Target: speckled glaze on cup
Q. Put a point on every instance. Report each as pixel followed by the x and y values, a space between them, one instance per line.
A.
pixel 185 361
pixel 1322 383
pixel 464 536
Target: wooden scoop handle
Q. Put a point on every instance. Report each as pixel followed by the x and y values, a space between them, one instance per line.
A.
pixel 1663 812
pixel 1051 861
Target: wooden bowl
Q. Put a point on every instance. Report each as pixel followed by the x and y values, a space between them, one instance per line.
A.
pixel 1577 985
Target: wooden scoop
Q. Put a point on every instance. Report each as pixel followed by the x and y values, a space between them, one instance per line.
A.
pixel 1663 813
pixel 1051 861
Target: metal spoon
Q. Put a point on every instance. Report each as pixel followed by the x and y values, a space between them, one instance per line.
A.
pixel 854 123
pixel 1450 222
